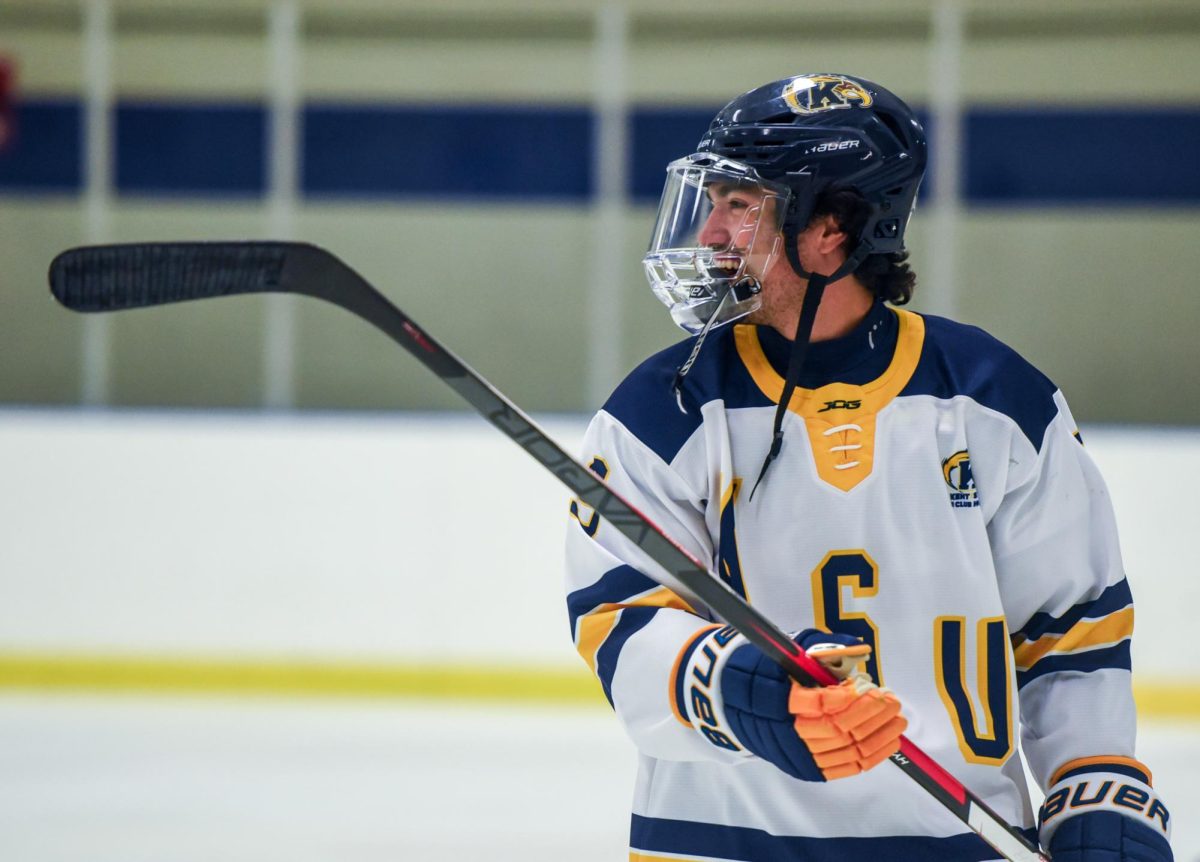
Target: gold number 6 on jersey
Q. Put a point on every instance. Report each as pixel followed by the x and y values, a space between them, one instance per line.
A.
pixel 855 570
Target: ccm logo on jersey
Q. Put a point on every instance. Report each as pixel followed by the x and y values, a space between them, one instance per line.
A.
pixel 956 470
pixel 1110 794
pixel 841 405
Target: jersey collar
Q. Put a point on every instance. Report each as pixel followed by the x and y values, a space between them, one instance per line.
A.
pixel 909 337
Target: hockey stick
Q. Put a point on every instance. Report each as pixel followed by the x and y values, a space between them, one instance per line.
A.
pixel 116 277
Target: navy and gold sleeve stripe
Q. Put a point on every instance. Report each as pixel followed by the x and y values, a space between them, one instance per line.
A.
pixel 1109 763
pixel 606 614
pixel 1090 636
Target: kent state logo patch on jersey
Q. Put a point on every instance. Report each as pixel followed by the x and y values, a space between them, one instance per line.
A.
pixel 956 470
pixel 812 95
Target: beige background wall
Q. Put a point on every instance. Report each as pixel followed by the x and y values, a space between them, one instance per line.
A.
pixel 1103 299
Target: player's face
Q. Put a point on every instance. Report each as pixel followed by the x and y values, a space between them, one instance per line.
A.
pixel 741 226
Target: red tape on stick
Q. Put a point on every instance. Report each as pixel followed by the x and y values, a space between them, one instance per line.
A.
pixel 931 768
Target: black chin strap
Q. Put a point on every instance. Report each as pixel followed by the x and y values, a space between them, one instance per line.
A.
pixel 808 314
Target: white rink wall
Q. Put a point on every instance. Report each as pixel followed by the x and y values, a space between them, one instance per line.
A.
pixel 409 537
pixel 397 538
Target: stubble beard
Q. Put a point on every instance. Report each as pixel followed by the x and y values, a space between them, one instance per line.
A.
pixel 782 295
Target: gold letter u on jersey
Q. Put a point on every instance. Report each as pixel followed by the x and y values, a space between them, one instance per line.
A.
pixel 993 743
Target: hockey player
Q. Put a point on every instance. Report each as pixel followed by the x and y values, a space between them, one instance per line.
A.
pixel 905 492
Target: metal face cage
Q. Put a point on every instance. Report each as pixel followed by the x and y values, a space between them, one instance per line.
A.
pixel 716 235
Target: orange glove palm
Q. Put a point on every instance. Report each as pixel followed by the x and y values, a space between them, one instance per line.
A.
pixel 849 727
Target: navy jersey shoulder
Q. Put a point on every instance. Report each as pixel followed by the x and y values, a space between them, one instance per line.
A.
pixel 959 359
pixel 645 402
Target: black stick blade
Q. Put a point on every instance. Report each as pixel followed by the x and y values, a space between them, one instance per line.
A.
pixel 114 277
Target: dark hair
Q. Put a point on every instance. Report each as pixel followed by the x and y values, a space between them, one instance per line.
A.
pixel 888 276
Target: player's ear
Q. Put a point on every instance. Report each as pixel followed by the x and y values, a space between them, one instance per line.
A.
pixel 829 234
pixel 822 236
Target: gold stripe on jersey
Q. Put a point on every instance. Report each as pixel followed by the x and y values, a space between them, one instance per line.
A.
pixel 728 546
pixel 1084 635
pixel 840 417
pixel 596 625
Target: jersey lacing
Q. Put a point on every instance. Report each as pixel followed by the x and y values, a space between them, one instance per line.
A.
pixel 845 447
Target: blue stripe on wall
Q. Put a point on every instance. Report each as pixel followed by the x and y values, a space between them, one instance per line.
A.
pixel 190 149
pixel 1061 156
pixel 658 136
pixel 468 152
pixel 1083 156
pixel 46 155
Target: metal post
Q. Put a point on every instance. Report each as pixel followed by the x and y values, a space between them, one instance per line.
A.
pixel 610 142
pixel 946 106
pixel 98 184
pixel 279 333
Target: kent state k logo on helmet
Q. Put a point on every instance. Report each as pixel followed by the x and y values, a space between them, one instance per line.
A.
pixel 956 470
pixel 812 95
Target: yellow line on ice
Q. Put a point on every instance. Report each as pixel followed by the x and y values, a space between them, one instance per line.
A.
pixel 463 682
pixel 1158 698
pixel 1167 699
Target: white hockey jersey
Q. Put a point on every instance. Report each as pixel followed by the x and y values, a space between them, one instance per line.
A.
pixel 934 500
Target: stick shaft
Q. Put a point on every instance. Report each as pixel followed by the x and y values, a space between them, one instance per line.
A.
pixel 102 278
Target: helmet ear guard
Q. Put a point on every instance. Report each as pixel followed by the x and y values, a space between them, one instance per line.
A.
pixel 803 201
pixel 891 210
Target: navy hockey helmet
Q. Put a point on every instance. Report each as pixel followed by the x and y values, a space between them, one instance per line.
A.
pixel 811 132
pixel 783 143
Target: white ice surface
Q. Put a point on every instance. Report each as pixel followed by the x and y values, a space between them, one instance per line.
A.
pixel 125 780
pixel 109 779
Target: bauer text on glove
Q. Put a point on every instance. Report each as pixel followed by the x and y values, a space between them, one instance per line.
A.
pixel 1103 809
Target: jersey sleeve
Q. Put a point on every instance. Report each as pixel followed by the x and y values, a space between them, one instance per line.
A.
pixel 1068 604
pixel 630 622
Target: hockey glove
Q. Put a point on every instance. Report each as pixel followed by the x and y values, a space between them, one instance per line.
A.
pixel 743 702
pixel 1105 812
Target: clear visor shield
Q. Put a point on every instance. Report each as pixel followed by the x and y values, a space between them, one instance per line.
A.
pixel 717 234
